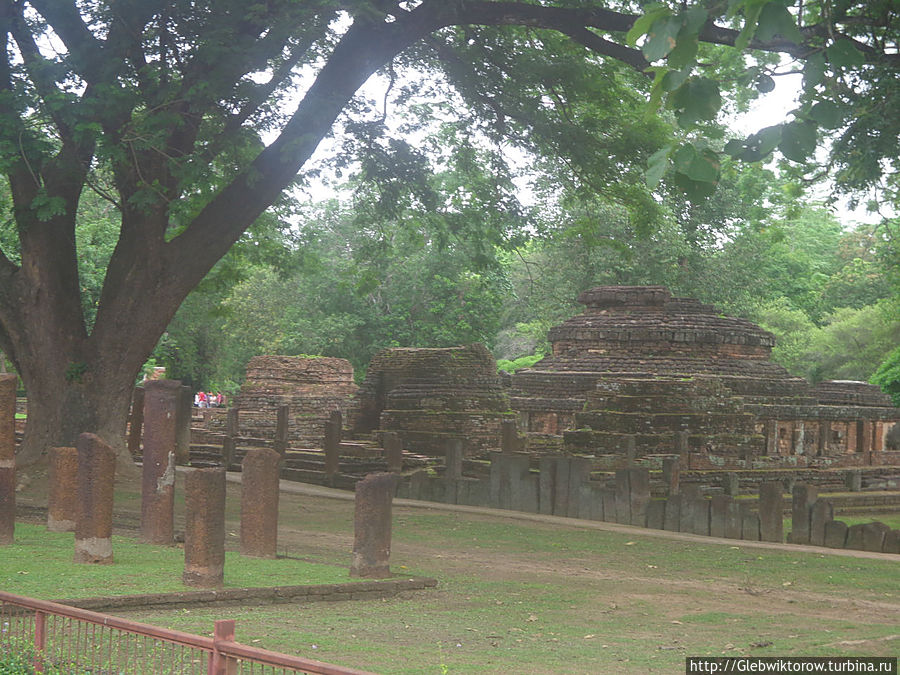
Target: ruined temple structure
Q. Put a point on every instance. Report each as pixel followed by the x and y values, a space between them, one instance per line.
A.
pixel 312 387
pixel 429 395
pixel 677 377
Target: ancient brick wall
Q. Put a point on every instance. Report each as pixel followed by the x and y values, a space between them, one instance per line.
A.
pixel 312 387
pixel 427 395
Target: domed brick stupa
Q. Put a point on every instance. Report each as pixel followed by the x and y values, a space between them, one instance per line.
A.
pixel 666 365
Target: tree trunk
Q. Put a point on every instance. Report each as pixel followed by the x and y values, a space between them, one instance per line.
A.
pixel 82 397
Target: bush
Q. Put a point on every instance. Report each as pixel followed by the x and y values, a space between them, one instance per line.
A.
pixel 519 363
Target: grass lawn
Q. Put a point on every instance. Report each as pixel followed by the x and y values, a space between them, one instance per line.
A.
pixel 39 565
pixel 517 596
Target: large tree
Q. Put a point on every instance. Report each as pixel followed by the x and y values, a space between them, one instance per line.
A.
pixel 158 105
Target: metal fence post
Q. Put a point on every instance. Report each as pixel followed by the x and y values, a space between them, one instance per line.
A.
pixel 40 640
pixel 219 663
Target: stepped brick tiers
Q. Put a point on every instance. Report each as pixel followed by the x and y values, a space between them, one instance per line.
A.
pixel 430 395
pixel 668 375
pixel 311 387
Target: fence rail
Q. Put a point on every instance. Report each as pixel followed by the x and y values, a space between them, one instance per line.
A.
pixel 61 639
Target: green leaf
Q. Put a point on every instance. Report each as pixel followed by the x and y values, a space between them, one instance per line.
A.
pixel 656 166
pixel 751 17
pixel 643 23
pixel 814 70
pixel 762 143
pixel 697 99
pixel 774 20
pixel 661 38
pixel 685 52
pixel 798 140
pixel 674 79
pixel 765 84
pixel 694 19
pixel 828 114
pixel 843 54
pixel 699 166
pixel 734 147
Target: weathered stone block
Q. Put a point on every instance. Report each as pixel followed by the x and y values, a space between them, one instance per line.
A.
pixel 733 518
pixel 93 525
pixel 822 514
pixel 7 458
pixel 639 485
pixel 656 514
pixel 803 497
pixel 204 527
pixel 672 520
pixel 158 471
pixel 749 524
pixel 372 526
pixel 771 511
pixel 836 534
pixel 718 510
pixel 62 502
pixel 259 503
pixel 892 542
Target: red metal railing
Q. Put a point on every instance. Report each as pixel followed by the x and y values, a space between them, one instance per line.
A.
pixel 62 639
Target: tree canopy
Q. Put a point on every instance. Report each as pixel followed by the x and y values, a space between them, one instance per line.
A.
pixel 160 107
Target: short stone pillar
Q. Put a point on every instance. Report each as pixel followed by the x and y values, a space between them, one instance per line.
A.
pixel 183 413
pixel 62 501
pixel 136 422
pixel 232 431
pixel 682 447
pixel 803 497
pixel 7 458
pixel 259 502
pixel 822 514
pixel 731 484
pixel 771 511
pixel 671 475
pixel 332 451
pixel 393 451
pixel 93 524
pixel 630 451
pixel 372 526
pixel 853 480
pixel 282 420
pixel 204 528
pixel 158 474
pixel 453 458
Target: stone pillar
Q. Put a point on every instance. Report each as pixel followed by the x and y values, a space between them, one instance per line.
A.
pixel 835 534
pixel 93 524
pixel 671 474
pixel 868 436
pixel 798 435
pixel 204 527
pixel 332 450
pixel 509 436
pixel 682 447
pixel 878 436
pixel 184 412
pixel 158 474
pixel 136 422
pixel 453 458
pixel 281 430
pixel 639 494
pixel 259 502
pixel 853 480
pixel 771 508
pixel 7 458
pixel 718 512
pixel 393 451
pixel 731 484
pixel 232 431
pixel 372 526
pixel 772 438
pixel 62 502
pixel 822 514
pixel 803 497
pixel 623 497
pixel 630 451
pixel 824 434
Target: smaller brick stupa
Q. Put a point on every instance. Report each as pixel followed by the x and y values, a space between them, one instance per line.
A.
pixel 428 395
pixel 312 387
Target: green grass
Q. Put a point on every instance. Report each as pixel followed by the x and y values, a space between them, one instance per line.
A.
pixel 39 565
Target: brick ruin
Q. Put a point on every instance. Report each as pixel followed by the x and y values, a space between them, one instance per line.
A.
pixel 430 395
pixel 311 387
pixel 677 377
